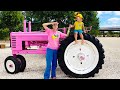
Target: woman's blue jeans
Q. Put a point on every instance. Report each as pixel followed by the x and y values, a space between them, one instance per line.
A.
pixel 51 63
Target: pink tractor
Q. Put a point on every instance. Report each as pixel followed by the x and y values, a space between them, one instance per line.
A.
pixel 75 60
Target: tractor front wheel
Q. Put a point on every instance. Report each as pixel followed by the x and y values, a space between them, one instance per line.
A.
pixel 12 65
pixel 22 61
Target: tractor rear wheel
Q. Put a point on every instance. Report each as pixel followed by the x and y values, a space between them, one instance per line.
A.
pixel 81 61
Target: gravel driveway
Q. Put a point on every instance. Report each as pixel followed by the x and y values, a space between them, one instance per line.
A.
pixel 36 63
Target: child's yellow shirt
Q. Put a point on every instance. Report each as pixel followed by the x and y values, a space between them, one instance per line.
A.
pixel 78 25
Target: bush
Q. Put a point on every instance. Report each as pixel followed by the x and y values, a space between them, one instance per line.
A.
pixel 94 32
pixel 4 34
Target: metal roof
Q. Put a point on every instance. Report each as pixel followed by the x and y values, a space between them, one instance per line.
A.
pixel 110 29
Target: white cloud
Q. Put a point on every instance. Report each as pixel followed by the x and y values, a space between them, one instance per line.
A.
pixel 99 13
pixel 114 20
pixel 107 12
pixel 104 12
pixel 117 12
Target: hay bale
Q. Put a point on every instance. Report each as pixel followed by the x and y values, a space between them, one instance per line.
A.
pixel 2 45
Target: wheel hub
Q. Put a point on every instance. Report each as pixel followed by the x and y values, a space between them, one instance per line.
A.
pixel 10 65
pixel 81 56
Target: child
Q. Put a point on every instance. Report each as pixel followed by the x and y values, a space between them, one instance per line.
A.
pixel 78 27
pixel 51 54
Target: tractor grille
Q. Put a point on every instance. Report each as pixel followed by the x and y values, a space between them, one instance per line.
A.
pixel 13 41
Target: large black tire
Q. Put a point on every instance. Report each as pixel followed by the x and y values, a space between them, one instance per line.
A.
pixel 11 65
pixel 22 61
pixel 61 53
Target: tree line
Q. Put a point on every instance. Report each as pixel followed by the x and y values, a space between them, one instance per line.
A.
pixel 12 21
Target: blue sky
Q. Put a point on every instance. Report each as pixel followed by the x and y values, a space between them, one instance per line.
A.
pixel 109 18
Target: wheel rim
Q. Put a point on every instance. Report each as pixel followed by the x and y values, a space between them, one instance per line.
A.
pixel 10 66
pixel 81 59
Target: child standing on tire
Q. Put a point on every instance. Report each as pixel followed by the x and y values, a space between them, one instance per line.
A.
pixel 53 44
pixel 78 27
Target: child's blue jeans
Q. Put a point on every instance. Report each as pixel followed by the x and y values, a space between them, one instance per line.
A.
pixel 51 60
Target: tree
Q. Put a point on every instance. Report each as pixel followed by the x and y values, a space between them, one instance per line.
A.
pixel 13 20
pixel 39 17
pixel 4 34
pixel 64 18
pixel 110 33
pixel 90 19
